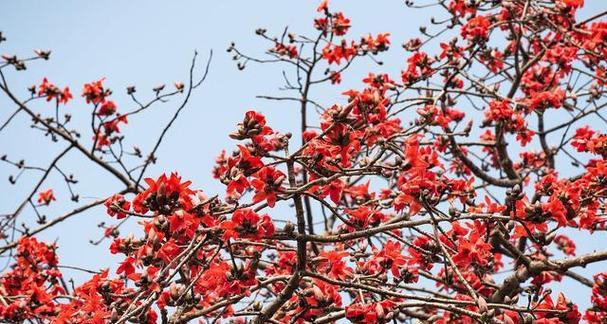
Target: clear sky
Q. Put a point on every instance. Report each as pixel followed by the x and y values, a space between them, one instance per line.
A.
pixel 146 43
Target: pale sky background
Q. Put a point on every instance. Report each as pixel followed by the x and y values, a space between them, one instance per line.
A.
pixel 146 43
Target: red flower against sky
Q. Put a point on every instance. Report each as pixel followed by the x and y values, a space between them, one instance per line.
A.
pixel 323 6
pixel 52 92
pixel 286 50
pixel 107 108
pixel 117 206
pixel 164 195
pixel 46 197
pixel 571 313
pixel 476 28
pixel 94 92
pixel 565 244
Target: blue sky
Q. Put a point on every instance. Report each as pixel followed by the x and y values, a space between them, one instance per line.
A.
pixel 146 43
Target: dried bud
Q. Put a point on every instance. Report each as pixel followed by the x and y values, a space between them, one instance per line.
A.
pixel 10 59
pixel 412 44
pixel 43 54
pixel 453 212
pixel 19 66
pixel 158 88
pixel 468 127
pixel 516 189
pixel 289 228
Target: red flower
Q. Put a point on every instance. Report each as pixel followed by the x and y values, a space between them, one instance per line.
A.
pixel 267 182
pixel 476 28
pixel 499 110
pixel 450 51
pixel 331 263
pixel 570 313
pixel 247 162
pixel 127 267
pixel 391 257
pixel 341 24
pixel 30 287
pixel 557 210
pixel 599 300
pixel 565 244
pixel 360 193
pixel 419 66
pixel 322 295
pixel 111 126
pixel 48 89
pixel 545 99
pixel 101 140
pixel 365 217
pixel 117 206
pixel 323 6
pixel 246 223
pixel 285 50
pixel 473 249
pixel 51 92
pixel 572 3
pixel 164 195
pixel 238 184
pixel 94 92
pixel 45 197
pixel 380 43
pixel 334 53
pixel 107 108
pixel 334 190
pixel 183 222
pixel 253 126
pixel 335 78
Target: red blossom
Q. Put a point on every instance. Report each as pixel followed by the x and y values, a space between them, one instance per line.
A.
pixel 94 92
pixel 46 197
pixel 52 92
pixel 332 264
pixel 267 183
pixel 424 179
pixel 476 28
pixel 107 108
pixel 245 223
pixel 117 206
pixel 164 195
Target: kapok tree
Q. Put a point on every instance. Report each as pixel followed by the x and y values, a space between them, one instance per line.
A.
pixel 443 194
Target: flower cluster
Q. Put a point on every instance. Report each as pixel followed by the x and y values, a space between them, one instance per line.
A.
pixel 29 290
pixel 52 92
pixel 437 196
pixel 106 111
